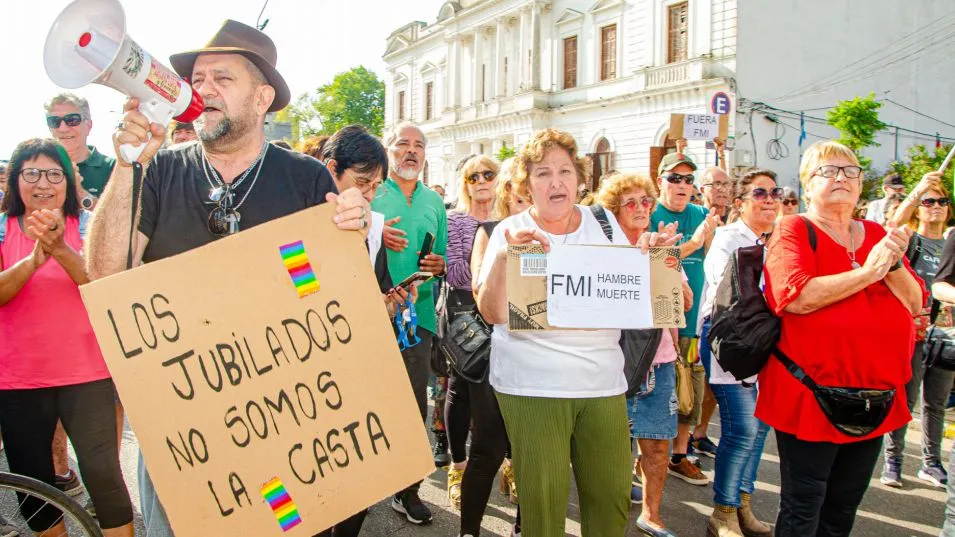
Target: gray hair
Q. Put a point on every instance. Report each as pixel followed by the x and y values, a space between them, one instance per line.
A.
pixel 392 135
pixel 72 99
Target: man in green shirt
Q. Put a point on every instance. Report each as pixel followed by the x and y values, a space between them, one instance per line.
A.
pixel 68 117
pixel 413 210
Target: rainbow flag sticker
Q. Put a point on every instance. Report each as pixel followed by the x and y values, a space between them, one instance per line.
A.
pixel 281 503
pixel 296 262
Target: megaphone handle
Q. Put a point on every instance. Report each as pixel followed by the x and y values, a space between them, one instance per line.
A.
pixel 156 111
pixel 131 152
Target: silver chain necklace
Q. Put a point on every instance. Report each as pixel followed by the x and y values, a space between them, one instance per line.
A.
pixel 851 250
pixel 219 189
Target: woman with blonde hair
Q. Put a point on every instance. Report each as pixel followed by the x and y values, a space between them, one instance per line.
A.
pixel 561 392
pixel 926 211
pixel 835 282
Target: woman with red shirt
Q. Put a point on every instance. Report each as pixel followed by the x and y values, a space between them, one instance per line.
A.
pixel 833 300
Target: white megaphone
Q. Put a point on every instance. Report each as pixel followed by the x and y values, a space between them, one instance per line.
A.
pixel 88 44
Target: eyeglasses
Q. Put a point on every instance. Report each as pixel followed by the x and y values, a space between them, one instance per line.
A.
pixel 831 172
pixel 646 202
pixel 488 176
pixel 71 120
pixel 54 175
pixel 790 202
pixel 928 202
pixel 367 186
pixel 675 178
pixel 761 194
pixel 223 220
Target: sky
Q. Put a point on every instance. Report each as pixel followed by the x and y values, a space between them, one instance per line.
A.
pixel 316 39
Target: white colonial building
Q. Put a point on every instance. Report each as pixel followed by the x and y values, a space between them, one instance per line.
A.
pixel 488 73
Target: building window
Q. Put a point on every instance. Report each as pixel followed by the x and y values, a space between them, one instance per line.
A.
pixel 608 52
pixel 570 62
pixel 678 33
pixel 401 106
pixel 602 162
pixel 428 100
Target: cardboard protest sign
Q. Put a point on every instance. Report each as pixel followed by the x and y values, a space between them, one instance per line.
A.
pixel 263 380
pixel 530 281
pixel 699 126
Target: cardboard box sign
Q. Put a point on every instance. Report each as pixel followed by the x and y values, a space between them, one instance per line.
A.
pixel 604 293
pixel 263 380
pixel 699 126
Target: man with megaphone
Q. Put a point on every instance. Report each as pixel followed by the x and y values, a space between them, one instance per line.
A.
pixel 194 193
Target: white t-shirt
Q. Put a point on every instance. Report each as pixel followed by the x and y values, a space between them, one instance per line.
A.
pixel 566 364
pixel 375 238
pixel 725 242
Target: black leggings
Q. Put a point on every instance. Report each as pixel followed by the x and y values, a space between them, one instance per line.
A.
pixel 88 412
pixel 822 485
pixel 488 443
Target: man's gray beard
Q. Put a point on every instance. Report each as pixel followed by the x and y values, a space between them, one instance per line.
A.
pixel 408 174
pixel 222 130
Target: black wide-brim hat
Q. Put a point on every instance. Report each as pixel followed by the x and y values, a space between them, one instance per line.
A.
pixel 237 38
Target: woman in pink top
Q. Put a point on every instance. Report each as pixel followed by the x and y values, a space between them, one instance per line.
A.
pixel 653 416
pixel 51 368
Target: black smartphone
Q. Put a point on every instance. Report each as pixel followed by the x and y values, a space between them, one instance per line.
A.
pixel 426 246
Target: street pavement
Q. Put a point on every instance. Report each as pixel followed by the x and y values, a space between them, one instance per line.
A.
pixel 916 510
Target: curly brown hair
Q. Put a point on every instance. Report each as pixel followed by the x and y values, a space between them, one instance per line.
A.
pixel 533 152
pixel 613 188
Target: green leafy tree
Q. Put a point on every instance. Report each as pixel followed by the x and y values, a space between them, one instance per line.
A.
pixel 354 96
pixel 505 153
pixel 858 123
pixel 920 161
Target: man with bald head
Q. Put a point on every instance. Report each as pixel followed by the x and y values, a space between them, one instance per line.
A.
pixel 717 190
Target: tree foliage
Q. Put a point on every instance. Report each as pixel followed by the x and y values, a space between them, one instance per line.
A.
pixel 857 121
pixel 354 96
pixel 920 161
pixel 505 153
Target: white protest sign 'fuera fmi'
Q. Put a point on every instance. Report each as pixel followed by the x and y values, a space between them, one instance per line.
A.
pixel 263 381
pixel 699 126
pixel 592 287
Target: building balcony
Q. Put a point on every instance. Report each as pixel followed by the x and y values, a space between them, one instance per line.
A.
pixel 677 74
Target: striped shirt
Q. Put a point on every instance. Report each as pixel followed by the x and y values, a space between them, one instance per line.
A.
pixel 461 230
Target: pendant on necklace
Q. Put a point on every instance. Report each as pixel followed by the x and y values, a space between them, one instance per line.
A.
pixel 855 264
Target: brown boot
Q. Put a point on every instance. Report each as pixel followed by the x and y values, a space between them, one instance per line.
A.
pixel 751 526
pixel 723 523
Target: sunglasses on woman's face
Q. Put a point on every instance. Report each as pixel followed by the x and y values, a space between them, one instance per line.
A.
pixel 791 201
pixel 762 194
pixel 631 205
pixel 488 176
pixel 71 120
pixel 928 202
pixel 675 178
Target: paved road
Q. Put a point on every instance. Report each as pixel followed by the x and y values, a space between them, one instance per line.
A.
pixel 916 510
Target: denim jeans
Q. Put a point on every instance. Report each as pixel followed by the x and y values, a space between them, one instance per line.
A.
pixel 706 354
pixel 741 443
pixel 935 384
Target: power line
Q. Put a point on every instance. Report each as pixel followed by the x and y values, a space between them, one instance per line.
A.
pixel 916 112
pixel 875 58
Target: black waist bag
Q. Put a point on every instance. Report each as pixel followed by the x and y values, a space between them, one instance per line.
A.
pixel 853 411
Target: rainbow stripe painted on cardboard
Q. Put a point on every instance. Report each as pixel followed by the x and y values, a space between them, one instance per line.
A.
pixel 281 503
pixel 299 268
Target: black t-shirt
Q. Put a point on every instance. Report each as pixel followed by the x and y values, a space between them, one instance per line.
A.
pixel 946 266
pixel 176 204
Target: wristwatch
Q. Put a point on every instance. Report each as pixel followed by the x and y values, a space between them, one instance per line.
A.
pixel 88 202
